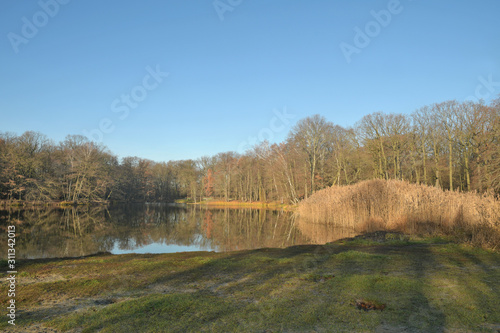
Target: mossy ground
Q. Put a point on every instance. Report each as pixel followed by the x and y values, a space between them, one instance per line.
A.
pixel 416 286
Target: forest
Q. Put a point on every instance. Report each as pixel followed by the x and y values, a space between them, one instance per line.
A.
pixel 453 145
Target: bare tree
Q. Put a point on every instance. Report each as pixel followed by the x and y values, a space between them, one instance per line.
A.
pixel 312 136
pixel 371 131
pixel 446 113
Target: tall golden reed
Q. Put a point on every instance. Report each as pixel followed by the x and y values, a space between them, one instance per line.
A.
pixel 415 209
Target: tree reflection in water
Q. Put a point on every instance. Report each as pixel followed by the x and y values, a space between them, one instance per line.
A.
pixel 79 231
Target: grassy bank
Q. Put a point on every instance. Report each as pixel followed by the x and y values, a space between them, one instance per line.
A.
pixel 6 204
pixel 239 204
pixel 409 208
pixel 381 282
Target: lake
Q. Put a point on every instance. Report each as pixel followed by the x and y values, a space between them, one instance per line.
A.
pixel 155 228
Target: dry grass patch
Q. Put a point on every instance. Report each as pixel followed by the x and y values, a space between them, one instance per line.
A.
pixel 414 209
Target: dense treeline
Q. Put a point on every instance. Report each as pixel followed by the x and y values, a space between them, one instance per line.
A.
pixel 452 145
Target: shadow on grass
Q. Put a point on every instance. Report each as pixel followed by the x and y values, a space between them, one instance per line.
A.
pixel 483 292
pixel 300 288
pixel 424 317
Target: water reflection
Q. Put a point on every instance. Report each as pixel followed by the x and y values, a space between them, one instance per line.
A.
pixel 153 228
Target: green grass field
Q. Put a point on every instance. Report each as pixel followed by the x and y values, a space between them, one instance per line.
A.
pixel 387 283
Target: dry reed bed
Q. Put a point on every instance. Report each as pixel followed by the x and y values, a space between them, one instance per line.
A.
pixel 415 209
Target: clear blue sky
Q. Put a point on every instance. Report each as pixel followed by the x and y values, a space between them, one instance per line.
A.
pixel 227 77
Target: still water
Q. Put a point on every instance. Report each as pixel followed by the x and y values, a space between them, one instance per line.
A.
pixel 154 228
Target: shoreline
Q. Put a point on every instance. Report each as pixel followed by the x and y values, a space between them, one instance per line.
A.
pixel 5 204
pixel 240 204
pixel 28 204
